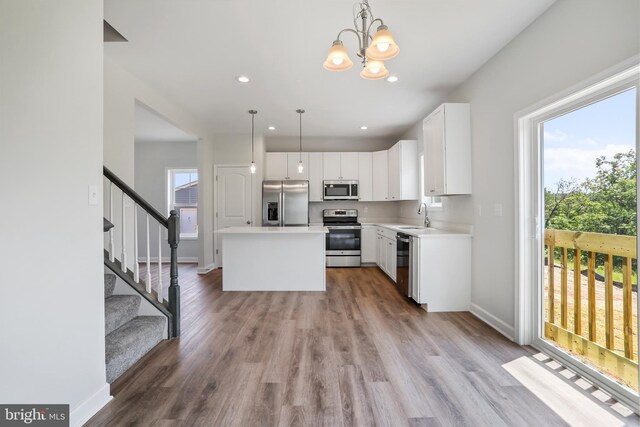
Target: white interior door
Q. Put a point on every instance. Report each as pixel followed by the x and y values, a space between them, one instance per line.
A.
pixel 234 195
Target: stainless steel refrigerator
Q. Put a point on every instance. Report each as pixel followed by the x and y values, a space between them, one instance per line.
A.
pixel 285 203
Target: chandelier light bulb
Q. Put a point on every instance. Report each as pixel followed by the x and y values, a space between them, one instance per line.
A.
pixel 382 47
pixel 338 58
pixel 374 70
pixel 300 167
pixel 252 168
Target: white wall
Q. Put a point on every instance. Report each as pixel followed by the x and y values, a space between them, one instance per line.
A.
pixel 52 305
pixel 572 41
pixel 121 91
pixel 152 159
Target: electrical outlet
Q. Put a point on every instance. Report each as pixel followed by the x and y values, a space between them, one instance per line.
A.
pixel 497 209
pixel 479 209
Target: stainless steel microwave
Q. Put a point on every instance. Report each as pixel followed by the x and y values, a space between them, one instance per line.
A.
pixel 340 190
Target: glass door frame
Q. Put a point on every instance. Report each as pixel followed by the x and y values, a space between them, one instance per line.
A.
pixel 529 248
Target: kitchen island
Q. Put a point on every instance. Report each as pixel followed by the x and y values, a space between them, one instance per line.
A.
pixel 273 258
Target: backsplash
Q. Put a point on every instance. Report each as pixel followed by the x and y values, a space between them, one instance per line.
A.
pixel 367 211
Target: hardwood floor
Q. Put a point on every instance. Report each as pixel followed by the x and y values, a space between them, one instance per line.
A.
pixel 358 354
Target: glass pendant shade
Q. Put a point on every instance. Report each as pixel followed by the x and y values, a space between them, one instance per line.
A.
pixel 375 70
pixel 338 58
pixel 382 47
pixel 252 168
pixel 300 167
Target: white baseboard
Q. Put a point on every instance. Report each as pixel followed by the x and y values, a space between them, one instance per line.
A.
pixel 87 409
pixel 184 259
pixel 492 321
pixel 205 270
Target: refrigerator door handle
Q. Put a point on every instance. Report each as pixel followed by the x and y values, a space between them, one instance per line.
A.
pixel 282 209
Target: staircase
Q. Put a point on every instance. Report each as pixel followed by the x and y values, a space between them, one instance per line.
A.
pixel 128 336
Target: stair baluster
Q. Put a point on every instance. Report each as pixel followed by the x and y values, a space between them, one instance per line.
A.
pixel 148 284
pixel 160 263
pixel 136 261
pixel 123 241
pixel 111 248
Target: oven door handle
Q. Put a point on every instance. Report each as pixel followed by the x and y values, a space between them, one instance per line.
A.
pixel 348 227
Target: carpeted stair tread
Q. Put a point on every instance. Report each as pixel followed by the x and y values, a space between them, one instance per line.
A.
pixel 127 344
pixel 109 284
pixel 118 310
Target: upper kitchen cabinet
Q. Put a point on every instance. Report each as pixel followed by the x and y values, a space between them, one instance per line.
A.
pixel 365 176
pixel 403 170
pixel 283 166
pixel 340 166
pixel 380 178
pixel 315 177
pixel 275 167
pixel 447 150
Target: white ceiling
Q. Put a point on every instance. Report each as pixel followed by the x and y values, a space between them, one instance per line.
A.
pixel 150 127
pixel 193 49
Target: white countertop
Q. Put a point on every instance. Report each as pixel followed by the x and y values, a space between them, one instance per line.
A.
pixel 419 231
pixel 274 230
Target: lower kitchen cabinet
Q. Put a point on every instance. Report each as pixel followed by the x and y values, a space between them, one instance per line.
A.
pixel 442 271
pixel 368 244
pixel 386 253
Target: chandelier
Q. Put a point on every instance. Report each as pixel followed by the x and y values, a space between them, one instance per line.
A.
pixel 373 50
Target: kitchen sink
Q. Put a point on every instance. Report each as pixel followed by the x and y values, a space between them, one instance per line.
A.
pixel 412 228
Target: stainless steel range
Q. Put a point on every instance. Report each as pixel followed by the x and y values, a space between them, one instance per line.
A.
pixel 343 239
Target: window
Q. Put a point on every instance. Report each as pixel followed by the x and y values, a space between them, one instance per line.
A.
pixel 183 197
pixel 432 202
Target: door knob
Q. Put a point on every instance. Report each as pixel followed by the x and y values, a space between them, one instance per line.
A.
pixel 248 222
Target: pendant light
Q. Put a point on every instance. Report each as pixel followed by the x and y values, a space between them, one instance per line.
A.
pixel 300 165
pixel 253 113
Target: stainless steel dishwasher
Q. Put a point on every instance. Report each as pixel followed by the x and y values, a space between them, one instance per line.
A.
pixel 403 264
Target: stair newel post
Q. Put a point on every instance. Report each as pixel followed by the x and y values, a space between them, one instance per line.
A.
pixel 173 225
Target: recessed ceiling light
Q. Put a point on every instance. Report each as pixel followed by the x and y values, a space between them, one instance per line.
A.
pixel 364 127
pixel 392 79
pixel 271 128
pixel 243 79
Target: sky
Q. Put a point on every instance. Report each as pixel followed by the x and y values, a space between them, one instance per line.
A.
pixel 572 142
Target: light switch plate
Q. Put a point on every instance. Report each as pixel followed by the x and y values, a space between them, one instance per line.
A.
pixel 497 209
pixel 94 194
pixel 479 209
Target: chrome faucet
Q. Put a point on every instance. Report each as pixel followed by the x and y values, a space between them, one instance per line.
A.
pixel 421 209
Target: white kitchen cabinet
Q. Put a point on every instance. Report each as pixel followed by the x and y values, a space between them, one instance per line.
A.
pixel 275 167
pixel 283 166
pixel 365 176
pixel 331 166
pixel 386 253
pixel 403 170
pixel 447 150
pixel 315 177
pixel 442 266
pixel 368 244
pixel 340 166
pixel 349 166
pixel 380 178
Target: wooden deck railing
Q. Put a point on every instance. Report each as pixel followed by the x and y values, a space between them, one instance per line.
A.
pixel 587 343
